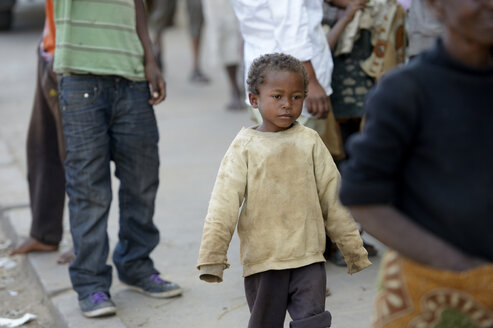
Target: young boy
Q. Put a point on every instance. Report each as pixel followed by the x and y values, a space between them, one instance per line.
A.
pixel 282 176
pixel 419 177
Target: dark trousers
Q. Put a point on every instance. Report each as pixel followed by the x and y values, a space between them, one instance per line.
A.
pixel 300 291
pixel 45 153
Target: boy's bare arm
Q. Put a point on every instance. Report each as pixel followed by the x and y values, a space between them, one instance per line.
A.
pixel 398 232
pixel 152 72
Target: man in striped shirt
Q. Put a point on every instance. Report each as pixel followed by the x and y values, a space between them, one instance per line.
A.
pixel 105 64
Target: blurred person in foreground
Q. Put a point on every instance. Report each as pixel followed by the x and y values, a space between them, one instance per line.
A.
pixel 419 177
pixel 105 63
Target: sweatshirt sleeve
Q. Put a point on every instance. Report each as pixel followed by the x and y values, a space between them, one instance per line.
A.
pixel 222 215
pixel 339 224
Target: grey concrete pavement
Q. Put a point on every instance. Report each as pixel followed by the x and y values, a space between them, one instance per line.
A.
pixel 195 132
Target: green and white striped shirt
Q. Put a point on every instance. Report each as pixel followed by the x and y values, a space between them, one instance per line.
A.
pixel 98 37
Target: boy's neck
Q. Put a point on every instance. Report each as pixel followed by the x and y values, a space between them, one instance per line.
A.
pixel 263 128
pixel 467 51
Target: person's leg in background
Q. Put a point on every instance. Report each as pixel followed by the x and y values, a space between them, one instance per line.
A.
pixel 161 17
pixel 229 48
pixel 196 22
pixel 45 171
pixel 225 44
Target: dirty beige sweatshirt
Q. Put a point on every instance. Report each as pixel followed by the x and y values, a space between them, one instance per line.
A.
pixel 286 185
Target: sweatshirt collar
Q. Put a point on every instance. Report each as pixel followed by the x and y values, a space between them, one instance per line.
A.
pixel 254 132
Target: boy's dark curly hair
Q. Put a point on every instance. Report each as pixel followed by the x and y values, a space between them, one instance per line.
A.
pixel 274 62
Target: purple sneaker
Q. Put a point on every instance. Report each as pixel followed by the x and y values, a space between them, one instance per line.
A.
pixel 156 287
pixel 98 304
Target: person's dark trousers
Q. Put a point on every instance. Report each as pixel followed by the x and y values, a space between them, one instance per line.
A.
pixel 45 154
pixel 109 119
pixel 300 291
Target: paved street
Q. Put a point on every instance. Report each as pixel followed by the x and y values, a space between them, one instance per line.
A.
pixel 195 132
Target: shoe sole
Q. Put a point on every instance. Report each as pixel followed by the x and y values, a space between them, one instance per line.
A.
pixel 103 312
pixel 168 294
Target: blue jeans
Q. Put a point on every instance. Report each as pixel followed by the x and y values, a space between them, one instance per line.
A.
pixel 109 119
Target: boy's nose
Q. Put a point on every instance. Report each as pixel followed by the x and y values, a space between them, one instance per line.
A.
pixel 286 104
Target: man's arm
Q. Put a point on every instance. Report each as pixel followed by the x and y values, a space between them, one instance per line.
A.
pixel 152 71
pixel 397 231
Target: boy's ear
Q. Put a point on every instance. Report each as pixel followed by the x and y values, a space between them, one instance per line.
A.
pixel 253 99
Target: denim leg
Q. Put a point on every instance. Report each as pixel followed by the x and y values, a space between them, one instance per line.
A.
pixel 134 138
pixel 88 181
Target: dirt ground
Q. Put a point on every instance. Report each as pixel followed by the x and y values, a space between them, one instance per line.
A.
pixel 20 292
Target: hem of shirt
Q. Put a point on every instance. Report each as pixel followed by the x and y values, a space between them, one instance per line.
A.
pixel 276 264
pixel 67 71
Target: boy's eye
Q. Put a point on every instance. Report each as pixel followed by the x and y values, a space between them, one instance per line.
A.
pixel 296 97
pixel 276 96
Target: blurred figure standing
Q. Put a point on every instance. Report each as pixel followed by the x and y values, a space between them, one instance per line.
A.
pixel 419 177
pixel 162 14
pixel 226 42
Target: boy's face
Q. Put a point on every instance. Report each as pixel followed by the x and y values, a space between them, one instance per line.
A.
pixel 280 100
pixel 471 19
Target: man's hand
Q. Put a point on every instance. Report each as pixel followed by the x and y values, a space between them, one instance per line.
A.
pixel 156 82
pixel 317 102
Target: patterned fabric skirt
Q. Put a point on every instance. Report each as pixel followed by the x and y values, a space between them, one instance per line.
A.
pixel 415 296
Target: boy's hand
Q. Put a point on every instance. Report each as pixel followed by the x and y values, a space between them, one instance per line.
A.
pixel 156 81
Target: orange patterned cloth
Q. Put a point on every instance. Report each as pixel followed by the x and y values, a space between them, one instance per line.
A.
pixel 415 296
